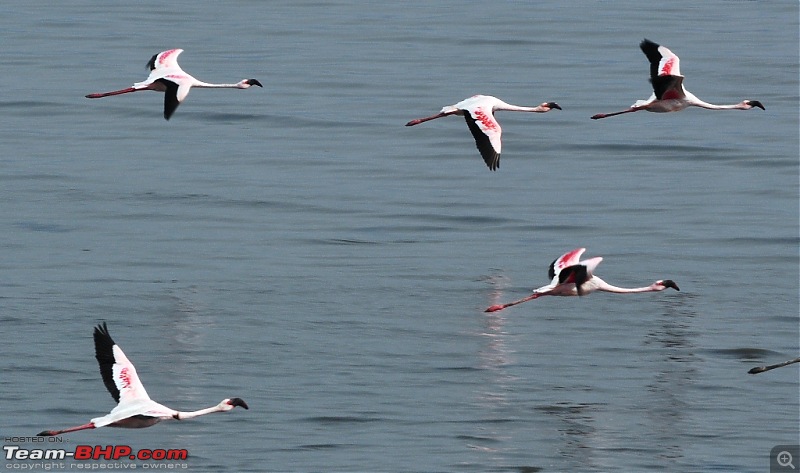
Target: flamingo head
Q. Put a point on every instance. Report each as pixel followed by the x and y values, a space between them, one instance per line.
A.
pixel 228 404
pixel 754 103
pixel 248 83
pixel 550 105
pixel 666 283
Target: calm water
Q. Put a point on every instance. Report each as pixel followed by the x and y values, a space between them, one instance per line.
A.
pixel 298 247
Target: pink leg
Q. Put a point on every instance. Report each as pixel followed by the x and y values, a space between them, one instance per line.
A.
pixel 115 92
pixel 498 307
pixel 48 433
pixel 432 117
pixel 604 115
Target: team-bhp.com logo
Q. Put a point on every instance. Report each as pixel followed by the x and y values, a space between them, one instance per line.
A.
pixel 94 452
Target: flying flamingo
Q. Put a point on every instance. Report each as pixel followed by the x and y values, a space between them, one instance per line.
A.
pixel 479 110
pixel 669 95
pixel 135 409
pixel 571 277
pixel 167 76
pixel 761 369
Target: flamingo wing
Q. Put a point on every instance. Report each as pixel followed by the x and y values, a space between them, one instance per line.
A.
pixel 119 374
pixel 591 264
pixel 668 87
pixel 665 71
pixel 567 259
pixel 165 60
pixel 163 66
pixel 579 273
pixel 575 274
pixel 486 131
pixel 171 100
pixel 663 62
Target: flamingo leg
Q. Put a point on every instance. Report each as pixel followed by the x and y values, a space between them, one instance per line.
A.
pixel 604 115
pixel 114 92
pixel 498 307
pixel 48 433
pixel 432 117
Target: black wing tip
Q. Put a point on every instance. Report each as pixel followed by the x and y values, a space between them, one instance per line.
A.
pixel 103 344
pixel 482 142
pixel 171 101
pixel 647 44
pixel 151 64
pixel 551 271
pixel 492 161
pixel 104 354
pixel 102 331
pixel 650 49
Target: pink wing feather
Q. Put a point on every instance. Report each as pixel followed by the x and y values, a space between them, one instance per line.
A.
pixel 669 64
pixel 126 379
pixel 567 259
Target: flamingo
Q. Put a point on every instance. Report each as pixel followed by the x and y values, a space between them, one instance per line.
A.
pixel 135 409
pixel 167 76
pixel 479 110
pixel 572 277
pixel 761 369
pixel 669 95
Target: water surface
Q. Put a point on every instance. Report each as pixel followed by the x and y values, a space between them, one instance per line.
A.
pixel 297 246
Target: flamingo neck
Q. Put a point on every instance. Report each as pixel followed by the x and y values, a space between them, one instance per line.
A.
pixel 606 287
pixel 190 415
pixel 696 102
pixel 712 106
pixel 207 85
pixel 518 108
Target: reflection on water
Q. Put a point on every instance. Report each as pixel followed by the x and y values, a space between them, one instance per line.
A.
pixel 575 424
pixel 674 372
pixel 495 354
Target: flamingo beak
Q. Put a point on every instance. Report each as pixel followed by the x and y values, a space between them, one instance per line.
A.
pixel 238 402
pixel 254 82
pixel 670 283
pixel 553 105
pixel 756 103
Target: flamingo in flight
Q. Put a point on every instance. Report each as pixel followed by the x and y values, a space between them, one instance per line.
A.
pixel 761 369
pixel 168 77
pixel 669 95
pixel 479 110
pixel 135 409
pixel 572 277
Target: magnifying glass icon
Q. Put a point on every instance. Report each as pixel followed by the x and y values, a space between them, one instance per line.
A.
pixel 784 459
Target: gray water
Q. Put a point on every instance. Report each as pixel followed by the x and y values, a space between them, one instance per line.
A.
pixel 298 247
